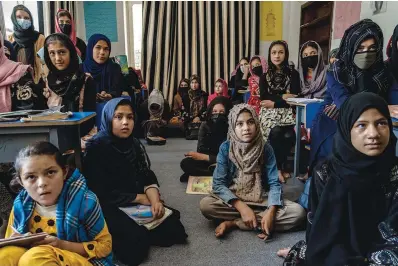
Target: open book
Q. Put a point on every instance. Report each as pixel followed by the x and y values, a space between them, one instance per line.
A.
pixel 23 241
pixel 142 215
pixel 200 185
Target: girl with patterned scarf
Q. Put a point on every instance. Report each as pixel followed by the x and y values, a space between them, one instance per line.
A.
pixel 258 67
pixel 246 191
pixel 312 70
pixel 196 99
pixel 358 68
pixel 57 202
pixel 67 84
pixel 279 83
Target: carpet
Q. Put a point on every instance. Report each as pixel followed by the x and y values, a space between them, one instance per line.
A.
pixel 203 248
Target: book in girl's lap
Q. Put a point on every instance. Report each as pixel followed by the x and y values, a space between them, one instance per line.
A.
pixel 60 204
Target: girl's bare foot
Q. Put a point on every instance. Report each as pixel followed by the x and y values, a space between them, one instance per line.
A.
pixel 281 177
pixel 283 252
pixel 224 227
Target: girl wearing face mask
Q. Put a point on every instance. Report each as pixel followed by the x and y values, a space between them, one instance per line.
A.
pixel 27 41
pixel 358 68
pixel 312 71
pixel 220 89
pixel 276 116
pixel 212 133
pixel 182 91
pixel 107 75
pixel 196 99
pixel 258 67
pixel 65 24
pixel 353 212
pixel 239 79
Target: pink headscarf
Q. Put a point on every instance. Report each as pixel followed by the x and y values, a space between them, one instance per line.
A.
pixel 224 91
pixel 10 72
pixel 254 84
pixel 72 35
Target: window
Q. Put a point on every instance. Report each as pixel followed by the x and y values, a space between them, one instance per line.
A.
pixel 8 6
pixel 137 28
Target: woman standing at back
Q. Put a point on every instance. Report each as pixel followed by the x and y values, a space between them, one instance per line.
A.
pixel 65 24
pixel 27 41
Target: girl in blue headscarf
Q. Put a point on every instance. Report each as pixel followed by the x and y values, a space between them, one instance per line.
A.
pixel 107 75
pixel 118 170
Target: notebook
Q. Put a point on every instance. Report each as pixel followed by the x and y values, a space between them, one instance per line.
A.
pixel 23 241
pixel 201 185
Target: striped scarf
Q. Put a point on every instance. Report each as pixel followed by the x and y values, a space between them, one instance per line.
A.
pixel 78 215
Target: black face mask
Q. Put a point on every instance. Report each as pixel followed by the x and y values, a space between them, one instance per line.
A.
pixel 310 61
pixel 219 119
pixel 66 28
pixel 258 70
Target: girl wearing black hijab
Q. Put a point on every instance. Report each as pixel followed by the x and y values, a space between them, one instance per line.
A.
pixel 118 171
pixel 107 75
pixel 239 79
pixel 68 85
pixel 27 41
pixel 212 133
pixel 353 198
pixel 358 68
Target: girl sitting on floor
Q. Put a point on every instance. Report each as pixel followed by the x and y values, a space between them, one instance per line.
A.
pixel 246 168
pixel 118 171
pixel 354 193
pixel 58 202
pixel 212 133
pixel 196 99
pixel 220 89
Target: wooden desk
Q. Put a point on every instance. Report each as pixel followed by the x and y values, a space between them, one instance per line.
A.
pixel 65 134
pixel 302 116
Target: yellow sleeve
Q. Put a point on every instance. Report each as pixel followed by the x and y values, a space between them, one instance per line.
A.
pixel 10 222
pixel 101 246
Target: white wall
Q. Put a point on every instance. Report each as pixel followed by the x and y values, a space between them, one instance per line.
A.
pixel 291 30
pixel 118 48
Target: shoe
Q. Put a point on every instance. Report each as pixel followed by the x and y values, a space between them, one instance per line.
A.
pixel 184 178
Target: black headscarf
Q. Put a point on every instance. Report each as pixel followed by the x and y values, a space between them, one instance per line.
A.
pixel 392 62
pixel 278 82
pixel 183 91
pixel 25 38
pixel 66 83
pixel 219 130
pixel 374 79
pixel 353 201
